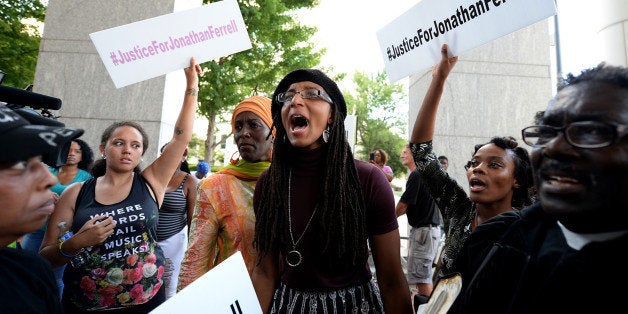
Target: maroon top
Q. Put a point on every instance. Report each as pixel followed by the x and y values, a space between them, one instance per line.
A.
pixel 313 273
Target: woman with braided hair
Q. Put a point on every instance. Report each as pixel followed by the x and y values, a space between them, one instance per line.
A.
pixel 318 210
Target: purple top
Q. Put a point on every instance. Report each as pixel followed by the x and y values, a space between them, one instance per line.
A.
pixel 387 169
pixel 314 273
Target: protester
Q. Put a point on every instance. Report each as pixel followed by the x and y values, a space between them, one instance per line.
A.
pixel 202 169
pixel 224 219
pixel 425 235
pixel 444 161
pixel 316 208
pixel 556 255
pixel 380 158
pixel 27 284
pixel 116 263
pixel 175 215
pixel 499 174
pixel 76 169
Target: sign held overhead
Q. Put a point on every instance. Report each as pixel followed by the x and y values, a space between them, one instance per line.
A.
pixel 412 42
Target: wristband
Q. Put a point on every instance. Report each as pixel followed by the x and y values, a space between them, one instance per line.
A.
pixel 66 255
pixel 66 236
pixel 192 91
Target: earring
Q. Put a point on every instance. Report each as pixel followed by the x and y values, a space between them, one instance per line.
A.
pixel 103 156
pixel 232 160
pixel 326 135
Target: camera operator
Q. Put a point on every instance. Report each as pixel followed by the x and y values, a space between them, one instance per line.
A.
pixel 27 284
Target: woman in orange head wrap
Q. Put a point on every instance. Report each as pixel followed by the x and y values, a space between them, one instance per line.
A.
pixel 223 220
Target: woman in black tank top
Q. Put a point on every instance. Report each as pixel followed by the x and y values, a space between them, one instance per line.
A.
pixel 115 262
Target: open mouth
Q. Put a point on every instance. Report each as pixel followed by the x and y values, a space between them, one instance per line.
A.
pixel 476 185
pixel 298 122
pixel 557 177
pixel 554 180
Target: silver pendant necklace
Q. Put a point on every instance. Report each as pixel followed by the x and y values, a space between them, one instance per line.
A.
pixel 294 257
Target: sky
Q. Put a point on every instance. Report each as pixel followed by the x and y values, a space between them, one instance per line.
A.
pixel 347 28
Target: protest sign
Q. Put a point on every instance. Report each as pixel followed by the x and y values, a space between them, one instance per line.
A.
pixel 412 42
pixel 149 48
pixel 227 288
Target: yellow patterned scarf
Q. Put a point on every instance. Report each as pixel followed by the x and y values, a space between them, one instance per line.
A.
pixel 246 170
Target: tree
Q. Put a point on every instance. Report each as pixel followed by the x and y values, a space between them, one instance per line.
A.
pixel 19 40
pixel 195 149
pixel 380 123
pixel 280 44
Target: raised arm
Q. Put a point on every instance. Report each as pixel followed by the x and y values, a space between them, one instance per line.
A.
pixel 423 130
pixel 161 170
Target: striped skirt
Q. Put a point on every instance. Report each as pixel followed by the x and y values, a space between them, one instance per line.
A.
pixel 363 298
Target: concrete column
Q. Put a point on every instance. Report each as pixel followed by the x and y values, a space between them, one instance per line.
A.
pixel 69 68
pixel 613 31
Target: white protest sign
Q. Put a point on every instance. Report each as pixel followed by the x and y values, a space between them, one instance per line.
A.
pixel 412 42
pixel 227 288
pixel 156 46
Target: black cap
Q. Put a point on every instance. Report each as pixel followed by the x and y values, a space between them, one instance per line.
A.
pixel 314 76
pixel 21 140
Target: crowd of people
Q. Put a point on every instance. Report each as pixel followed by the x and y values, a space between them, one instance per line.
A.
pixel 307 215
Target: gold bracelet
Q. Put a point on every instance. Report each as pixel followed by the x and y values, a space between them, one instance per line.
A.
pixel 192 91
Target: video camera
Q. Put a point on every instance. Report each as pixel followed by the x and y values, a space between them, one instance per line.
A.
pixel 26 103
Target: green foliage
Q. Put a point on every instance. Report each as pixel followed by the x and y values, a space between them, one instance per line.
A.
pixel 15 10
pixel 280 44
pixel 380 123
pixel 195 148
pixel 219 157
pixel 19 41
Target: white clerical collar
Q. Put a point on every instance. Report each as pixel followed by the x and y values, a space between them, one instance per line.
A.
pixel 578 240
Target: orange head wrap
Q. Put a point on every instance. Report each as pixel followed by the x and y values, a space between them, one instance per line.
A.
pixel 258 105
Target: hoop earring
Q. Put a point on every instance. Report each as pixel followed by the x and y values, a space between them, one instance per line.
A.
pixel 232 160
pixel 326 135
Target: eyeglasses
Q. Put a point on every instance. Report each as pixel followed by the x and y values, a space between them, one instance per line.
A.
pixel 582 134
pixel 308 93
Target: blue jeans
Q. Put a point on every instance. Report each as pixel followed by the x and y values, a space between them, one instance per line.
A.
pixel 31 242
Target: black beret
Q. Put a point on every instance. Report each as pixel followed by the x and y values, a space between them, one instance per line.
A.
pixel 314 76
